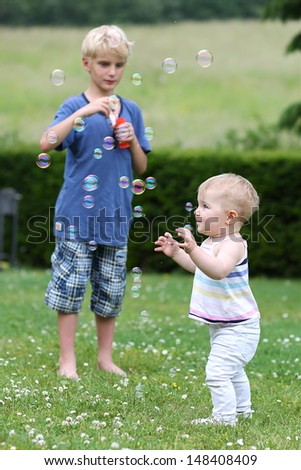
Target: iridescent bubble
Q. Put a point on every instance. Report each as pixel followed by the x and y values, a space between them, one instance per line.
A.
pixel 136 79
pixel 113 102
pixel 108 143
pixel 92 245
pixel 57 77
pixel 123 131
pixel 189 227
pixel 188 206
pixel 169 65
pixel 72 231
pixel 138 186
pixel 149 133
pixel 43 160
pixel 88 202
pixel 90 183
pixel 150 182
pixel 204 58
pixel 120 257
pixel 135 291
pixel 138 212
pixel 97 153
pixel 136 272
pixel 124 182
pixel 52 137
pixel 79 124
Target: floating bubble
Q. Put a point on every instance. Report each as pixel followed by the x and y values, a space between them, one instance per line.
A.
pixel 136 272
pixel 108 143
pixel 138 212
pixel 88 202
pixel 57 77
pixel 113 102
pixel 123 131
pixel 136 79
pixel 90 183
pixel 92 245
pixel 189 227
pixel 72 231
pixel 188 206
pixel 169 65
pixel 124 182
pixel 149 133
pixel 138 186
pixel 97 153
pixel 52 137
pixel 204 58
pixel 150 182
pixel 43 160
pixel 79 124
pixel 120 257
pixel 135 291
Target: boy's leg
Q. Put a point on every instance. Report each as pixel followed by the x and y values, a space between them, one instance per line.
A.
pixel 105 327
pixel 67 323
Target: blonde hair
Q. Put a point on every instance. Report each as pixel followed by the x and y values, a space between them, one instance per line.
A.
pixel 235 192
pixel 106 38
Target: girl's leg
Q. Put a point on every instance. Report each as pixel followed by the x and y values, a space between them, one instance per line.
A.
pixel 67 323
pixel 105 327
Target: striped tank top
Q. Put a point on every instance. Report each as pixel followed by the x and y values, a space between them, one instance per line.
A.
pixel 229 300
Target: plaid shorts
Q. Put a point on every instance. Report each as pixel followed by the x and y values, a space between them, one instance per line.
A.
pixel 74 264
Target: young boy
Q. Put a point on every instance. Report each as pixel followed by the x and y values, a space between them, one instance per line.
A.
pixel 93 210
pixel 221 295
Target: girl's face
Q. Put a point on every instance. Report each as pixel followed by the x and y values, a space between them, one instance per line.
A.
pixel 210 215
pixel 106 70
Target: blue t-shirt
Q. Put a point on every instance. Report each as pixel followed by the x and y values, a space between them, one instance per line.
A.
pixel 93 205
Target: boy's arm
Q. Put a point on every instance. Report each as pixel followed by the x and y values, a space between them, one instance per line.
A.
pixel 139 157
pixel 170 247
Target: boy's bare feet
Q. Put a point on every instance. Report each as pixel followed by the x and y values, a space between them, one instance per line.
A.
pixel 111 367
pixel 68 370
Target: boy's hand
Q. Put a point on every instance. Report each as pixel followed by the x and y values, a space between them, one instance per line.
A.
pixel 189 243
pixel 100 105
pixel 167 245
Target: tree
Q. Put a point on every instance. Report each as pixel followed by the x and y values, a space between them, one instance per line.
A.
pixel 288 10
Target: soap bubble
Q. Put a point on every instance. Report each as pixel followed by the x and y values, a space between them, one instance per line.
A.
pixel 92 245
pixel 136 79
pixel 52 137
pixel 88 202
pixel 57 77
pixel 113 102
pixel 90 183
pixel 72 231
pixel 204 58
pixel 149 133
pixel 138 186
pixel 138 212
pixel 188 206
pixel 124 182
pixel 43 160
pixel 108 143
pixel 150 182
pixel 79 124
pixel 136 272
pixel 169 65
pixel 120 257
pixel 97 153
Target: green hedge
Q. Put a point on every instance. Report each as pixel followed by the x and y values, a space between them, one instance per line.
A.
pixel 274 233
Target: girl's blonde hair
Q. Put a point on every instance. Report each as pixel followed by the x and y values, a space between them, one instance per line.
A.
pixel 235 192
pixel 106 38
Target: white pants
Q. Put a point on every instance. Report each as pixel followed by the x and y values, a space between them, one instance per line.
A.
pixel 232 347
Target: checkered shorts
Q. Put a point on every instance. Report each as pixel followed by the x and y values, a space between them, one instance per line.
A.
pixel 74 264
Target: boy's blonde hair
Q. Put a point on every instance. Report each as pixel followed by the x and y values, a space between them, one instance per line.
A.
pixel 235 192
pixel 106 38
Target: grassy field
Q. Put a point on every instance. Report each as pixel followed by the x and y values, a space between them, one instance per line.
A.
pixel 164 354
pixel 251 78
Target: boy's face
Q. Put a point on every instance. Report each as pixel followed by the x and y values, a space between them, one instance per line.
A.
pixel 106 70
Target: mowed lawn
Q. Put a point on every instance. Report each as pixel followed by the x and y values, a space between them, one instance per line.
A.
pixel 251 78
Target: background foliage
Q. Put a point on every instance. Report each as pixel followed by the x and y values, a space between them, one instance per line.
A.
pixel 273 233
pixel 91 12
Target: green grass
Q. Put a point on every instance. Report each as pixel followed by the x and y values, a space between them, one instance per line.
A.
pixel 164 354
pixel 251 78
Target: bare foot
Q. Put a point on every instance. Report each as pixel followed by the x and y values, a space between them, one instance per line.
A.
pixel 68 370
pixel 111 367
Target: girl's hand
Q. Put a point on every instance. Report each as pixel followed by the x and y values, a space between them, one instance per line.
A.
pixel 189 243
pixel 167 245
